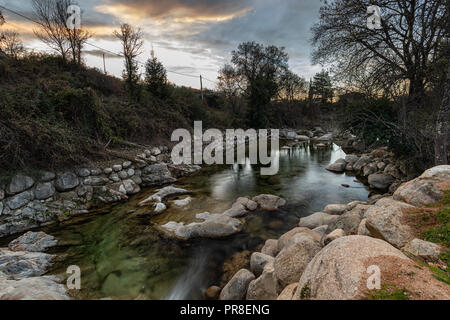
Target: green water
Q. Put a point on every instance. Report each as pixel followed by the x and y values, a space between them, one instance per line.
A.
pixel 122 256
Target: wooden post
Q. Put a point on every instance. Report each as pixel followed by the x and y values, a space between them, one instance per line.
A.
pixel 201 86
pixel 104 63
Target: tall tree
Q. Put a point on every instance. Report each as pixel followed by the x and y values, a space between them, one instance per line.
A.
pixel 132 43
pixel 54 30
pixel 402 50
pixel 322 87
pixel 258 70
pixel 156 76
pixel 292 86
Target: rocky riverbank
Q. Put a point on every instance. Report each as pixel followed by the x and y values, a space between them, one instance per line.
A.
pixel 28 202
pixel 327 256
pixel 22 266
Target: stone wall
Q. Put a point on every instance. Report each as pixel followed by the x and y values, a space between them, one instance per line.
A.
pixel 28 202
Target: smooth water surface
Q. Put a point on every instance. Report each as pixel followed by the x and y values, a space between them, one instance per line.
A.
pixel 122 256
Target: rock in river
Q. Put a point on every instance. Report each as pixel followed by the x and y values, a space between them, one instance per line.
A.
pixel 33 242
pixel 236 288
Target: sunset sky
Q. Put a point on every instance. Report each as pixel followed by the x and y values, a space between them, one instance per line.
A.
pixel 189 36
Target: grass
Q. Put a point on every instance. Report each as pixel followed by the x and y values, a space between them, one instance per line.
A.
pixel 433 224
pixel 388 292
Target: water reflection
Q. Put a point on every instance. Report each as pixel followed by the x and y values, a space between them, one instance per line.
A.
pixel 122 256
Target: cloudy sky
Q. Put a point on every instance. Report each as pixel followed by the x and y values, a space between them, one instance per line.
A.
pixel 189 36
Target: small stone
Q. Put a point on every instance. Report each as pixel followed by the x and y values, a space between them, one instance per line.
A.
pixel 126 164
pixel 44 191
pixel 108 171
pixel 338 233
pixel 160 208
pixel 130 172
pixel 84 173
pixel 123 175
pixel 117 167
pixel 19 183
pixel 212 293
pixel 47 176
pixel 20 200
pixel 258 261
pixel 66 181
pixel 96 172
pixel 114 177
pixel 336 209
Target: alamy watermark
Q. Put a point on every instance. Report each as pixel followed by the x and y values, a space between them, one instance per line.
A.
pixel 73 22
pixel 374 20
pixel 374 280
pixel 221 149
pixel 74 280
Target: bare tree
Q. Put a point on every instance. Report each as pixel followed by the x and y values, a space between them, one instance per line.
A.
pixel 292 86
pixel 132 43
pixel 11 44
pixel 402 50
pixel 2 19
pixel 51 31
pixel 56 33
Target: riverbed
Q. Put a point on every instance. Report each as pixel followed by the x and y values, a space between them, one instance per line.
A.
pixel 122 255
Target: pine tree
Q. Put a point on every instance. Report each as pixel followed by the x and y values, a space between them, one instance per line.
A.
pixel 156 77
pixel 322 87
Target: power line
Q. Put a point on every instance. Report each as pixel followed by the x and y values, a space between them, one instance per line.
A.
pixel 103 49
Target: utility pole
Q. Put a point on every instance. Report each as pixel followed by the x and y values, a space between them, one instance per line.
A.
pixel 201 85
pixel 104 63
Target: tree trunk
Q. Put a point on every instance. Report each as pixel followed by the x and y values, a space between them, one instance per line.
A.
pixel 441 140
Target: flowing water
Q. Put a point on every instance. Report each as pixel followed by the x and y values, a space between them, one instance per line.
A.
pixel 122 256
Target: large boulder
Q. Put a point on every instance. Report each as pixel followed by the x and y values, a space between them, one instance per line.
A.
pixel 363 161
pixel 336 209
pixel 385 220
pixel 33 242
pixel 425 189
pixel 317 219
pixel 269 202
pixel 266 286
pixel 338 166
pixel 381 181
pixel 37 288
pixel 66 182
pixel 19 183
pixel 157 174
pixel 287 238
pixel 258 261
pixel 18 265
pixel 423 249
pixel 213 226
pixel 288 292
pixel 349 221
pixel 162 194
pixel 236 288
pixel 290 263
pixel 339 270
pixel 270 247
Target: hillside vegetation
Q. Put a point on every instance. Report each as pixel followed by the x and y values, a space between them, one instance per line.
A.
pixel 55 114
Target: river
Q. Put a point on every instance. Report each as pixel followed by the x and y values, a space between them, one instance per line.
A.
pixel 122 256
